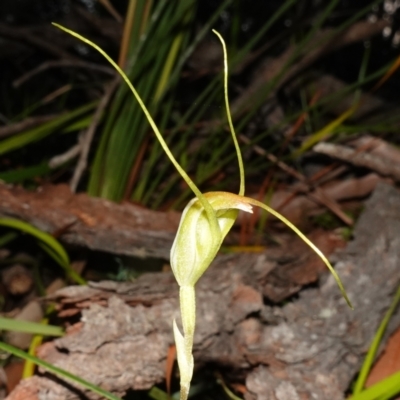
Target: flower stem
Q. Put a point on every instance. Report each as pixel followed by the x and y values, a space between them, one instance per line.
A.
pixel 188 316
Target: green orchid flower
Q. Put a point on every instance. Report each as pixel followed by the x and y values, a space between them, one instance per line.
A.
pixel 204 224
pixel 196 244
pixel 197 240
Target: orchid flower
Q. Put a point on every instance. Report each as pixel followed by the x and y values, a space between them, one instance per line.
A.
pixel 205 222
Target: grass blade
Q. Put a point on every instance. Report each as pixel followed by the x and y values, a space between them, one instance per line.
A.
pixel 23 174
pixel 36 134
pixel 10 324
pixel 381 390
pixel 369 359
pixel 58 371
pixel 47 242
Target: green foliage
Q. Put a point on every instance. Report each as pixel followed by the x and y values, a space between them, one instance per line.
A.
pixel 58 371
pixel 385 390
pixel 390 386
pixel 326 220
pixel 38 133
pixel 154 61
pixel 47 242
pixel 7 238
pixel 9 324
pixel 23 174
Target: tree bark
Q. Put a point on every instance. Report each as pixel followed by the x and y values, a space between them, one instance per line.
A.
pixel 93 223
pixel 310 347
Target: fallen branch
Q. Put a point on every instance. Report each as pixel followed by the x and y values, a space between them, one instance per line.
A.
pixel 94 223
pixel 127 229
pixel 361 159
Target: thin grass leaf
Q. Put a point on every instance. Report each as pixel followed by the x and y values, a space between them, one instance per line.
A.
pixel 265 89
pixel 39 133
pixel 330 129
pixel 56 257
pixel 43 236
pixel 390 393
pixel 158 394
pixel 7 238
pixel 326 131
pixel 385 389
pixel 58 371
pixel 10 324
pixel 369 359
pixel 127 35
pixel 327 103
pixel 79 124
pixel 228 392
pixel 23 174
pixel 54 254
pixel 47 242
pixel 389 73
pixel 362 74
pixel 169 63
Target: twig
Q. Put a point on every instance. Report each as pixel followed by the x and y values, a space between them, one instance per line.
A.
pixel 106 27
pixel 73 152
pixel 332 171
pixel 110 8
pixel 87 140
pixel 27 35
pixel 360 159
pixel 59 64
pixel 27 123
pixel 56 93
pixel 318 195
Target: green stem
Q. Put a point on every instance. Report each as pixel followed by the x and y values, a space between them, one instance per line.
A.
pixel 184 393
pixel 188 311
pixel 187 300
pixel 228 114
